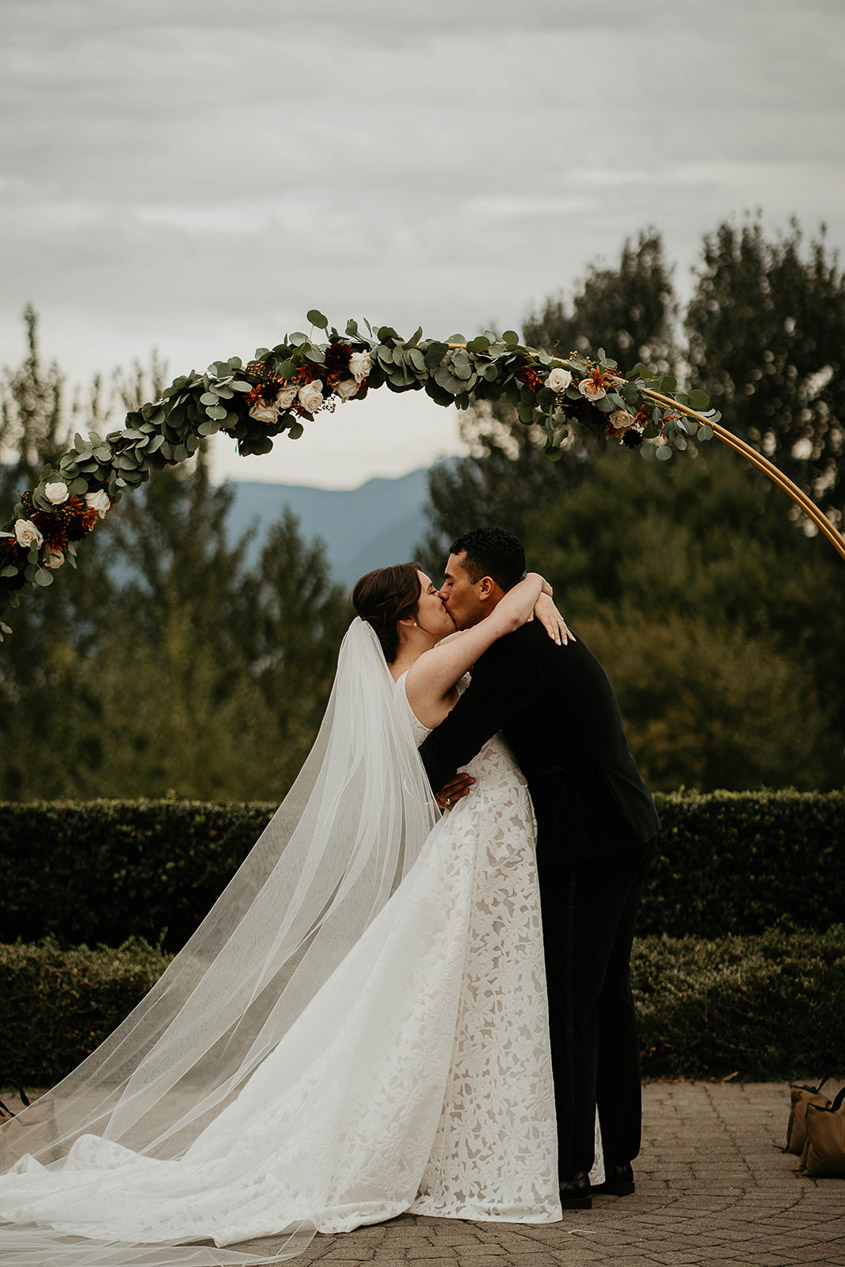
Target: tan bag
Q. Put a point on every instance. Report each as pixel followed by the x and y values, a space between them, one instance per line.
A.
pixel 824 1151
pixel 796 1131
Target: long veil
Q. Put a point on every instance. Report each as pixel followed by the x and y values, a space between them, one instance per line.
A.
pixel 343 839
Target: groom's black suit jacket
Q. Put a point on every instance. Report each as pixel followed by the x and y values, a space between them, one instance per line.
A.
pixel 557 710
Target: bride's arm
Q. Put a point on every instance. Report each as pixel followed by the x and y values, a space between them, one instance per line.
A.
pixel 436 672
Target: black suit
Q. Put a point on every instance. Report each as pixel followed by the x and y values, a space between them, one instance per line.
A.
pixel 596 824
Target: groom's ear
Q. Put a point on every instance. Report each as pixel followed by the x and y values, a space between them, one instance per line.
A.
pixel 486 588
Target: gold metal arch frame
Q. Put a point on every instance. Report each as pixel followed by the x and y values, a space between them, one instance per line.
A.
pixel 295 380
pixel 806 504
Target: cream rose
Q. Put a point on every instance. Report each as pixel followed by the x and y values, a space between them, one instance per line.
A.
pixel 590 388
pixel 27 534
pixel 621 420
pixel 98 501
pixel 559 379
pixel 285 398
pixel 265 413
pixel 311 396
pixel 360 365
pixel 56 493
pixel 55 559
pixel 346 388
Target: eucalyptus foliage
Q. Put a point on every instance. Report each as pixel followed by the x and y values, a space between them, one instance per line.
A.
pixel 169 430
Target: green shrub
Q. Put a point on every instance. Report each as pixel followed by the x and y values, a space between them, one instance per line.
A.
pixel 761 1007
pixel 770 1006
pixel 103 871
pixel 58 1005
pixel 736 862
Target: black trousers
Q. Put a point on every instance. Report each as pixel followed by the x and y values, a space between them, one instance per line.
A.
pixel 589 912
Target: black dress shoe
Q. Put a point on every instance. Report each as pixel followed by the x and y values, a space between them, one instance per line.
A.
pixel 618 1180
pixel 575 1192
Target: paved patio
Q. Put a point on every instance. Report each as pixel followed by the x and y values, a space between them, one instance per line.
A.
pixel 713 1187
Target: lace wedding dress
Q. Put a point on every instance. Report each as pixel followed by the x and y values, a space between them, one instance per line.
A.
pixel 418 1078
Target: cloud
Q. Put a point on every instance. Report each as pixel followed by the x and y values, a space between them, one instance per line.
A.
pixel 195 176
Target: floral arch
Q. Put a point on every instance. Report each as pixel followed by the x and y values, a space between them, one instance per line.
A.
pixel 303 375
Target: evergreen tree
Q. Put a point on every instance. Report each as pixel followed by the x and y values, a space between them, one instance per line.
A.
pixel 766 329
pixel 630 311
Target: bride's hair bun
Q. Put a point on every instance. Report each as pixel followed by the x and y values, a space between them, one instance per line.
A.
pixel 386 596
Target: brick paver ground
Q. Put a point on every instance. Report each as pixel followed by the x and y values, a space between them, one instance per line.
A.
pixel 713 1188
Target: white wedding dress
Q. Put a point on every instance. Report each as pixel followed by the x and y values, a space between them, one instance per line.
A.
pixel 418 1078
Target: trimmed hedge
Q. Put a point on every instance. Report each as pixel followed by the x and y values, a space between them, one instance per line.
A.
pixel 58 1005
pixel 762 1007
pixel 102 871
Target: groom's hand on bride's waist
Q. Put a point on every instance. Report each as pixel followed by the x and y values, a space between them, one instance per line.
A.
pixel 453 791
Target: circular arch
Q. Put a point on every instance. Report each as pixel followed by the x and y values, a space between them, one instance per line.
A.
pixel 291 383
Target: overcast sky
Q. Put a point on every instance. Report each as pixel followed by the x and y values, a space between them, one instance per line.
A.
pixel 193 176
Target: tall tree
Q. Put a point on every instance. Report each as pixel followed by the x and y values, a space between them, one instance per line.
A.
pixel 628 309
pixel 719 624
pixel 170 660
pixel 766 329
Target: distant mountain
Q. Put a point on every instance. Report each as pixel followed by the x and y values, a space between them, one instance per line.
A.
pixel 379 523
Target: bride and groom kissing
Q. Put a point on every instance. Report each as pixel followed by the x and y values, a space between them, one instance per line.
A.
pixel 387 1010
pixel 596 825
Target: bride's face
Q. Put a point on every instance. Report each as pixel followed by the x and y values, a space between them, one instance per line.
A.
pixel 432 616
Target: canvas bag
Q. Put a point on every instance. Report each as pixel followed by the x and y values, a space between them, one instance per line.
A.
pixel 824 1151
pixel 796 1131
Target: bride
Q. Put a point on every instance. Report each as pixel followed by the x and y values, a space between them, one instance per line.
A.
pixel 357 1029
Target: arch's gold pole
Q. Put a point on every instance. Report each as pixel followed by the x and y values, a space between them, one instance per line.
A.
pixel 800 498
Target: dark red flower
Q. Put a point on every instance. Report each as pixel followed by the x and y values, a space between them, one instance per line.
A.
pixel 337 356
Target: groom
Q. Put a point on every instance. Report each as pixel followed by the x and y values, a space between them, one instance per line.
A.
pixel 596 828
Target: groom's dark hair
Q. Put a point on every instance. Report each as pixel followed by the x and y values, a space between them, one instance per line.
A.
pixel 492 552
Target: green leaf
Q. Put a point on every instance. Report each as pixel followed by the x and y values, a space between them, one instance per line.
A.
pixel 663 453
pixel 209 398
pixel 704 433
pixel 456 338
pixel 667 385
pixel 315 354
pixel 43 577
pixel 296 430
pixel 698 400
pixel 415 338
pixel 352 328
pixel 317 319
pixel 511 338
pixel 478 344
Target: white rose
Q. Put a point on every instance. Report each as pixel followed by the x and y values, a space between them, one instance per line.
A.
pixel 56 493
pixel 264 413
pixel 27 534
pixel 360 364
pixel 621 420
pixel 55 559
pixel 285 398
pixel 311 396
pixel 346 388
pixel 559 379
pixel 590 388
pixel 98 501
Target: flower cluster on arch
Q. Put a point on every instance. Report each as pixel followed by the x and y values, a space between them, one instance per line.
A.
pixel 287 386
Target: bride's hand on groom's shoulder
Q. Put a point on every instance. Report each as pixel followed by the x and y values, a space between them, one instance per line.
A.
pixel 552 621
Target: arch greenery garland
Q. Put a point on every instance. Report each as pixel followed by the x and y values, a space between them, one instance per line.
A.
pixel 305 374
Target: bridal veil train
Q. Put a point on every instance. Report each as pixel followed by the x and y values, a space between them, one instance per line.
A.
pixel 287 1073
